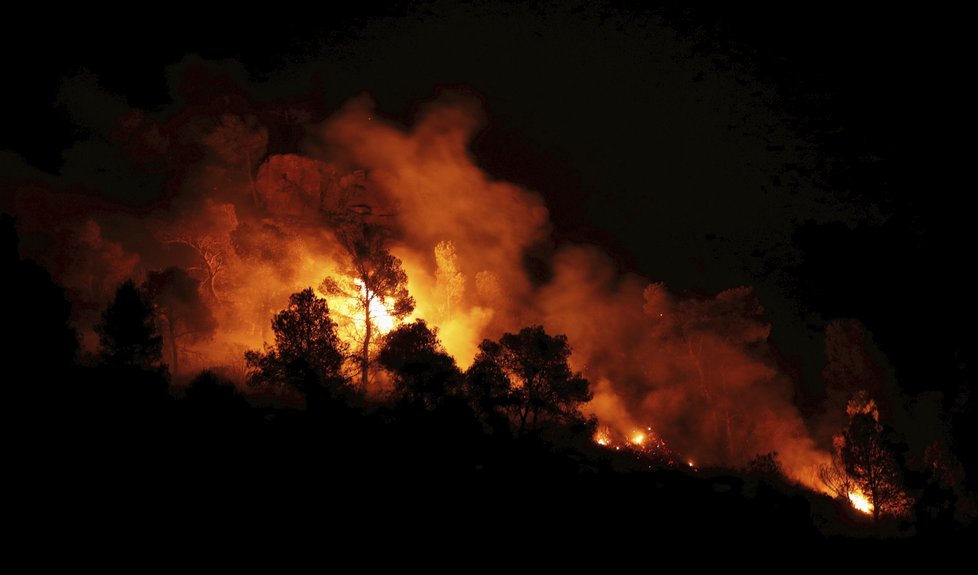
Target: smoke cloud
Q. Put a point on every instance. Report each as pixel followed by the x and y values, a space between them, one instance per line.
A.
pixel 248 208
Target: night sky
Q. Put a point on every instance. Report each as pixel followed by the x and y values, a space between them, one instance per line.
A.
pixel 815 153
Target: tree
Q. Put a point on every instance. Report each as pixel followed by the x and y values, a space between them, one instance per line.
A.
pixel 718 343
pixel 34 310
pixel 307 356
pixel 864 463
pixel 855 367
pixel 375 283
pixel 450 281
pixel 871 465
pixel 766 466
pixel 833 475
pixel 204 234
pixel 39 347
pixel 240 144
pixel 423 373
pixel 127 333
pixel 211 252
pixel 488 386
pixel 533 366
pixel 213 398
pixel 181 311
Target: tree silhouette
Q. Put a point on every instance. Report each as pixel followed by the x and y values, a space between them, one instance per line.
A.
pixel 487 385
pixel 127 332
pixel 212 254
pixel 533 367
pixel 34 309
pixel 423 373
pixel 180 309
pixel 708 327
pixel 39 348
pixel 307 355
pixel 871 465
pixel 833 475
pixel 211 397
pixel 864 462
pixel 450 282
pixel 372 277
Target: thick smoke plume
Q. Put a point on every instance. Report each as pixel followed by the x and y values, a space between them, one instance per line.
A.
pixel 251 196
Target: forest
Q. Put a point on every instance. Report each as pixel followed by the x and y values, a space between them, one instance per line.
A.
pixel 620 276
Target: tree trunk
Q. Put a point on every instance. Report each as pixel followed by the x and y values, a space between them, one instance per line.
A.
pixel 251 181
pixel 365 360
pixel 703 386
pixel 211 277
pixel 174 355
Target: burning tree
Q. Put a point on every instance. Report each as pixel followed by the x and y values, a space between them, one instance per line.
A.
pixel 375 284
pixel 450 281
pixel 308 355
pixel 531 373
pixel 870 463
pixel 212 254
pixel 721 339
pixel 864 469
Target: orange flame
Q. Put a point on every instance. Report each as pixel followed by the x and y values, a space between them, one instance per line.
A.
pixel 602 438
pixel 860 502
pixel 380 316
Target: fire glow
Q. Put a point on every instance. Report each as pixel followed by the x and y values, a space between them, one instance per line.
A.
pixel 860 502
pixel 380 316
pixel 253 227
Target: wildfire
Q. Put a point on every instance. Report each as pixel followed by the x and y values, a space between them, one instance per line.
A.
pixel 602 438
pixel 379 314
pixel 860 502
pixel 643 443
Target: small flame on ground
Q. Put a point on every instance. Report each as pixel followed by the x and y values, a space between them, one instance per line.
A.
pixel 601 438
pixel 860 502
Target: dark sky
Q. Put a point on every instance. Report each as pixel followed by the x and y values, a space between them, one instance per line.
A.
pixel 812 152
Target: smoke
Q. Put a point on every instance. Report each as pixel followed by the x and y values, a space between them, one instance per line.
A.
pixel 253 220
pixel 697 370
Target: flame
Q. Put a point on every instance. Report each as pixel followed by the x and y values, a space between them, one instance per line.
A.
pixel 602 438
pixel 644 442
pixel 256 238
pixel 860 502
pixel 380 316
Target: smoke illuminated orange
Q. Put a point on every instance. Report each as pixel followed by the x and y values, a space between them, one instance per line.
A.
pixel 698 367
pixel 601 438
pixel 638 438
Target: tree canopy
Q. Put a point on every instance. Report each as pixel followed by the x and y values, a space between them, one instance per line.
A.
pixel 527 374
pixel 127 333
pixel 308 355
pixel 870 463
pixel 423 373
pixel 371 277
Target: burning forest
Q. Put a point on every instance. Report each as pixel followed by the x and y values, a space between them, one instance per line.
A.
pixel 293 260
